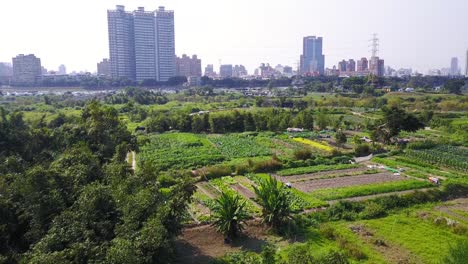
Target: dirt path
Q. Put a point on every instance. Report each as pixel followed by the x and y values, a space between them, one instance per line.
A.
pixel 368 197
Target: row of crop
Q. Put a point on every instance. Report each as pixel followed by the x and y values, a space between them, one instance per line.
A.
pixel 400 162
pixel 314 169
pixel 369 189
pixel 441 158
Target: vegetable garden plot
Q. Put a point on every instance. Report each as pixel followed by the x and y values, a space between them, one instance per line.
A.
pixel 238 146
pixel 179 151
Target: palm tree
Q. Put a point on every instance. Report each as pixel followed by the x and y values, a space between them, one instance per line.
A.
pixel 275 201
pixel 229 214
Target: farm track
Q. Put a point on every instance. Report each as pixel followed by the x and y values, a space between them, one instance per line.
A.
pixel 317 175
pixel 310 186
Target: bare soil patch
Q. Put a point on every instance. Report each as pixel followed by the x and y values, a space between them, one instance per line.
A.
pixel 309 186
pixel 203 244
pixel 318 175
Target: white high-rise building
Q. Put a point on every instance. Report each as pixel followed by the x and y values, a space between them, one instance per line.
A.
pixel 142 44
pixel 165 44
pixel 454 67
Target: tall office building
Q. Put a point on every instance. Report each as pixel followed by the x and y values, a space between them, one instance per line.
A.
pixel 454 66
pixel 26 70
pixel 188 66
pixel 142 44
pixel 312 58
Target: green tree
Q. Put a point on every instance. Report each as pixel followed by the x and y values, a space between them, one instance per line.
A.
pixel 229 215
pixel 340 137
pixel 454 86
pixel 275 202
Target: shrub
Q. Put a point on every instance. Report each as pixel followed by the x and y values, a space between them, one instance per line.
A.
pixel 327 231
pixel 373 210
pixel 362 150
pixel 302 154
pixel 267 166
pixel 216 172
pixel 242 169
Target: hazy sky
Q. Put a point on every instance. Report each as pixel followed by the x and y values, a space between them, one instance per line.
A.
pixel 422 34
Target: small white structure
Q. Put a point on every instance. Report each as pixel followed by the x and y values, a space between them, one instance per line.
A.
pixel 294 129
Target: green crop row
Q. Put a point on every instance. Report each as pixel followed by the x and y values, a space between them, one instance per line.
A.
pixel 317 168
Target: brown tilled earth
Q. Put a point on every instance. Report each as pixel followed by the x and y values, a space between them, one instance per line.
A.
pixel 318 175
pixel 310 186
pixel 203 244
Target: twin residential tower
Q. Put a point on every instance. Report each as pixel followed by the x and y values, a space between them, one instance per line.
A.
pixel 141 44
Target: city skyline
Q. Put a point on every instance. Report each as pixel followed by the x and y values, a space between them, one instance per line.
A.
pixel 259 35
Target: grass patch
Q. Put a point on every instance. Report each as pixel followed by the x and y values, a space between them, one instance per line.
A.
pixel 423 238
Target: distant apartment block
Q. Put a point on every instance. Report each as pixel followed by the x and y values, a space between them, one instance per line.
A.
pixel 188 66
pixel 351 66
pixel 225 71
pixel 209 71
pixel 239 71
pixel 362 65
pixel 342 66
pixel 26 70
pixel 104 68
pixel 377 66
pixel 141 44
pixel 6 73
pixel 312 60
pixel 454 67
pixel 466 64
pixel 62 69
